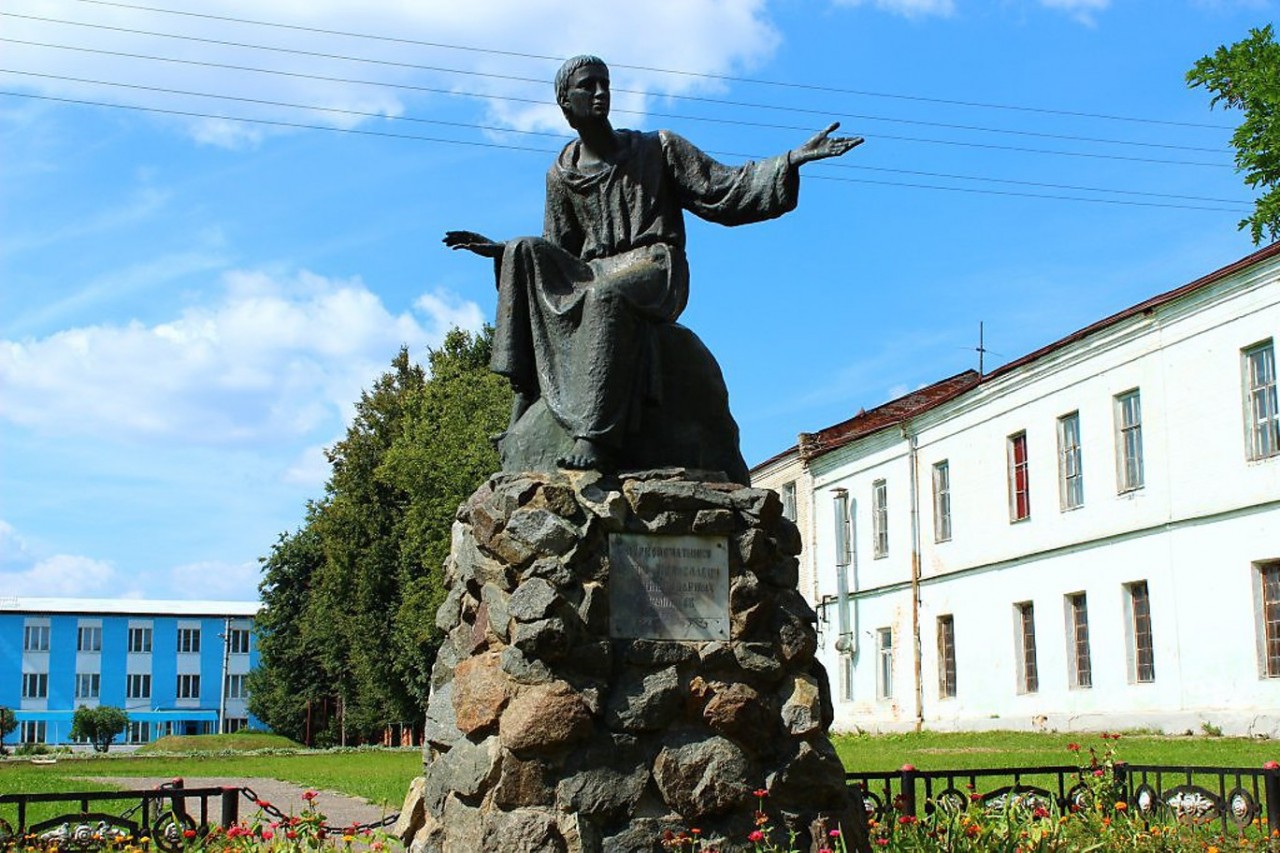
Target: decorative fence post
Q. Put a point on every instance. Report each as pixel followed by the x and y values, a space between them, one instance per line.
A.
pixel 1121 770
pixel 907 789
pixel 1271 788
pixel 230 807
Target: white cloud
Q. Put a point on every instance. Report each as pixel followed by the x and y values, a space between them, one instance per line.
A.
pixel 215 580
pixel 271 359
pixel 1082 10
pixel 63 575
pixel 907 8
pixel 311 468
pixel 700 36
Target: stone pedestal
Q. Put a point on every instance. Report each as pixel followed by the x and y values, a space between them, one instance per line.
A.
pixel 556 725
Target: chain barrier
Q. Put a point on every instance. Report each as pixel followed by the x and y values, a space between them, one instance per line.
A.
pixel 271 809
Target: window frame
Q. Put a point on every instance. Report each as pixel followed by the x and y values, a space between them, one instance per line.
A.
pixel 1079 650
pixel 140 639
pixel 942 501
pixel 1261 402
pixel 137 686
pixel 787 494
pixel 1130 463
pixel 35 685
pixel 1070 463
pixel 238 641
pixel 1267 586
pixel 879 519
pixel 946 630
pixel 33 731
pixel 235 679
pixel 884 663
pixel 1019 477
pixel 1028 665
pixel 188 640
pixel 188 687
pixel 1140 633
pixel 89 639
pixel 40 631
pixel 88 686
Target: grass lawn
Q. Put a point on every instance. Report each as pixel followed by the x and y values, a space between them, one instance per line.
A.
pixel 962 750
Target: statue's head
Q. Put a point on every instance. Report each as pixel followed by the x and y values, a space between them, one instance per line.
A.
pixel 565 78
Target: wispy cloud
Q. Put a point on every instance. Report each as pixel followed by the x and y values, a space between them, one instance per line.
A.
pixel 1081 10
pixel 699 36
pixel 907 8
pixel 272 358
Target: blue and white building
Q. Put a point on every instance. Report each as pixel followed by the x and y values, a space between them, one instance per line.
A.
pixel 176 667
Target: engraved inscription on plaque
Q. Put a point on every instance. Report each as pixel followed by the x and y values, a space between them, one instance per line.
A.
pixel 669 587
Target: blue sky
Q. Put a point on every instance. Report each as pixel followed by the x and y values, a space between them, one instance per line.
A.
pixel 190 304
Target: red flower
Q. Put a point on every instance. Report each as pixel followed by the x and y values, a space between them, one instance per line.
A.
pixel 267 835
pixel 756 836
pixel 760 792
pixel 907 819
pixel 1073 747
pixel 290 834
pixel 1040 811
pixel 975 798
pixel 883 842
pixel 1099 772
pixel 309 795
pixel 188 833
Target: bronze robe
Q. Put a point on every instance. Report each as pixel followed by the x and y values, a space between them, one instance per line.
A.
pixel 576 307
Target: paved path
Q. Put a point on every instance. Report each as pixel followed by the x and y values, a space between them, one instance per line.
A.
pixel 338 809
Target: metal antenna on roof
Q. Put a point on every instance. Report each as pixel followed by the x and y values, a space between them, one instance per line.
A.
pixel 982 350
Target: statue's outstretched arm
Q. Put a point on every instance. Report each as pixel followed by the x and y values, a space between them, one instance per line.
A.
pixel 473 242
pixel 824 145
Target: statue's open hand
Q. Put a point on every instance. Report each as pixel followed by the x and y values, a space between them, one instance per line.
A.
pixel 473 242
pixel 824 145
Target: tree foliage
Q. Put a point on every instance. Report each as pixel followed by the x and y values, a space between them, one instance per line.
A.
pixel 8 724
pixel 1246 76
pixel 347 634
pixel 100 725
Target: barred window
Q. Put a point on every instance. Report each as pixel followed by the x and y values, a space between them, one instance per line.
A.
pixel 1019 478
pixel 1269 577
pixel 1078 640
pixel 1141 640
pixel 1028 672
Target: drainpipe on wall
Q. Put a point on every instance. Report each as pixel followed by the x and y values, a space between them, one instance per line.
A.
pixel 226 666
pixel 914 458
pixel 844 548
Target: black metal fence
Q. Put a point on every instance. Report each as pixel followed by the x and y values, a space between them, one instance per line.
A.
pixel 1234 796
pixel 169 815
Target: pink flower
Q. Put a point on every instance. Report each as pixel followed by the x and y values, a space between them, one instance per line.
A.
pixel 267 835
pixel 1099 772
pixel 309 795
pixel 835 833
pixel 756 835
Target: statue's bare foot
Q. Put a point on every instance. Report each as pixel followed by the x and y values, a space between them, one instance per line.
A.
pixel 586 455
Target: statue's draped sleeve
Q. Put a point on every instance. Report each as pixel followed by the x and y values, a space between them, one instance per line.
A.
pixel 730 195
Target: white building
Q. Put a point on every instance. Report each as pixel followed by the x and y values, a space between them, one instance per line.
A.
pixel 1085 538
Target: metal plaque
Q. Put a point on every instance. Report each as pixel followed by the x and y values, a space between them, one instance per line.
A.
pixel 668 587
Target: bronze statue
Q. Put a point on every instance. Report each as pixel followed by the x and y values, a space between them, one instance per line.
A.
pixel 586 313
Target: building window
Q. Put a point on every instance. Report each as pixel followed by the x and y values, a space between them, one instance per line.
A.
pixel 88 685
pixel 846 677
pixel 844 544
pixel 139 731
pixel 139 640
pixel 189 640
pixel 1078 640
pixel 1019 478
pixel 1142 647
pixel 884 656
pixel 35 685
pixel 1129 441
pixel 1028 672
pixel 788 494
pixel 35 638
pixel 138 686
pixel 31 731
pixel 946 656
pixel 89 638
pixel 238 641
pixel 1261 410
pixel 1269 581
pixel 231 725
pixel 880 518
pixel 1070 473
pixel 188 687
pixel 235 687
pixel 941 501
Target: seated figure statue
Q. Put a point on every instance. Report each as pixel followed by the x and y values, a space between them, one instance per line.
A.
pixel 604 377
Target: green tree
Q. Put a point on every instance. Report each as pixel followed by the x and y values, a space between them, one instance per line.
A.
pixel 99 725
pixel 348 628
pixel 8 724
pixel 1246 76
pixel 290 690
